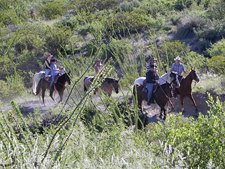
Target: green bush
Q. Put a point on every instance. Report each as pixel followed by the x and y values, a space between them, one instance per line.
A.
pixel 53 9
pixel 123 24
pixel 217 64
pixel 169 50
pixel 12 87
pixel 217 49
pixel 194 143
pixel 56 38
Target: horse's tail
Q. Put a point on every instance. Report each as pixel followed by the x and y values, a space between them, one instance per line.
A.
pixel 38 89
pixel 85 89
pixel 135 90
pixel 36 79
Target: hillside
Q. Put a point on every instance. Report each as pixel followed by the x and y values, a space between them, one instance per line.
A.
pixel 97 131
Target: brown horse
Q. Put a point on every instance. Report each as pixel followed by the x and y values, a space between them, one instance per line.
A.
pixel 107 85
pixel 59 86
pixel 185 88
pixel 160 96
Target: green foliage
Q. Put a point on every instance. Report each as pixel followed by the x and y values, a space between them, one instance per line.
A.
pixel 217 64
pixel 57 38
pixel 53 9
pixel 124 23
pixel 13 86
pixel 94 5
pixel 195 143
pixel 169 50
pixel 117 50
pixel 217 49
pixel 193 60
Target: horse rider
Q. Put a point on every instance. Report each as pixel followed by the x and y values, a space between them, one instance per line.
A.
pixel 152 61
pixel 54 72
pixel 98 66
pixel 178 68
pixel 48 64
pixel 151 79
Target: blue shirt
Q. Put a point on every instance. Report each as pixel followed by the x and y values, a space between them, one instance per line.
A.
pixel 178 68
pixel 54 73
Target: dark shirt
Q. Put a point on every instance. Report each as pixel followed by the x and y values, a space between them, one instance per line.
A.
pixel 151 77
pixel 49 64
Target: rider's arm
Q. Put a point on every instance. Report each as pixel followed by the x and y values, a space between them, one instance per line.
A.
pixel 172 67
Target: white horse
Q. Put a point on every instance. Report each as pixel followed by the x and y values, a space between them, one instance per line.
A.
pixel 37 78
pixel 167 77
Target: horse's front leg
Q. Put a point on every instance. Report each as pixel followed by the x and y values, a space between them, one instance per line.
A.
pixel 182 103
pixel 193 101
pixel 60 96
pixel 43 95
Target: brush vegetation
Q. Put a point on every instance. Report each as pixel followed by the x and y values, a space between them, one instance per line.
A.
pixel 124 34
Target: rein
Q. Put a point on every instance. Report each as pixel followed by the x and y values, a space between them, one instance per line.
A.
pixel 64 85
pixel 164 92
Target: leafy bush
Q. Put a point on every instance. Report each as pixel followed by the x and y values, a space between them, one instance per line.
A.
pixel 125 23
pixel 169 50
pixel 217 49
pixel 57 37
pixel 53 9
pixel 194 60
pixel 92 6
pixel 12 87
pixel 217 64
pixel 117 50
pixel 195 143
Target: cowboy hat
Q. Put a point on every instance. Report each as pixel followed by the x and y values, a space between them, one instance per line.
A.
pixel 49 55
pixel 153 58
pixel 177 58
pixel 98 60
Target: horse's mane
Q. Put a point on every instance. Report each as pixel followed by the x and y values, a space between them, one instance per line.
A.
pixel 109 80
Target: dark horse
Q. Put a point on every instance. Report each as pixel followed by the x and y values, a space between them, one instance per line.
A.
pixel 160 94
pixel 185 88
pixel 59 86
pixel 107 85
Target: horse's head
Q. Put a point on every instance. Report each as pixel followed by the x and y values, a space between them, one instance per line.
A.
pixel 174 79
pixel 116 85
pixel 194 75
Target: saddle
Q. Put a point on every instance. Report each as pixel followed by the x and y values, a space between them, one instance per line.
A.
pixel 145 90
pixel 48 78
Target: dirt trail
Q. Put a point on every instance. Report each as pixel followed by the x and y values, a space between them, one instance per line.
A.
pixel 152 110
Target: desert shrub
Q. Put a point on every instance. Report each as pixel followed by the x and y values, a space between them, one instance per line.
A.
pixel 194 60
pixel 72 22
pixel 217 64
pixel 53 9
pixel 155 8
pixel 57 37
pixel 216 11
pixel 127 6
pixel 117 50
pixel 212 33
pixel 29 39
pixel 182 4
pixel 189 26
pixel 217 49
pixel 124 23
pixel 12 87
pixel 198 142
pixel 94 5
pixel 169 50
